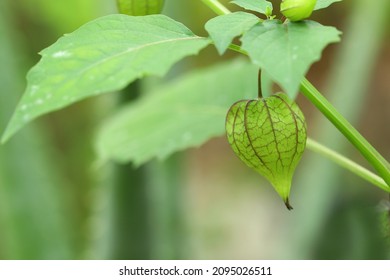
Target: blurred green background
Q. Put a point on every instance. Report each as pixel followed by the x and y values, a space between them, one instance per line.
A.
pixel 202 203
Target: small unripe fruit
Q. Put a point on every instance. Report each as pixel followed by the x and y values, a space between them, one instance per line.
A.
pixel 296 10
pixel 140 7
pixel 268 135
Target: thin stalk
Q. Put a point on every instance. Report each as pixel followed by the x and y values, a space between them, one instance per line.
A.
pixel 364 147
pixel 217 7
pixel 259 93
pixel 237 48
pixel 347 164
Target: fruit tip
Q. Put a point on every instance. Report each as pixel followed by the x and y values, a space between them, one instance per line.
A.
pixel 288 205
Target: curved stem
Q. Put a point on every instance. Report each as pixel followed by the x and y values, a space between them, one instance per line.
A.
pixel 347 164
pixel 364 147
pixel 217 7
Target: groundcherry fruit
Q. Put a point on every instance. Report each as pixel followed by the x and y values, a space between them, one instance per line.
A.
pixel 140 7
pixel 296 10
pixel 268 135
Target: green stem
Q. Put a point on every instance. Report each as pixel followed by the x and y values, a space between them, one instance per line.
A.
pixel 364 147
pixel 217 7
pixel 238 49
pixel 347 164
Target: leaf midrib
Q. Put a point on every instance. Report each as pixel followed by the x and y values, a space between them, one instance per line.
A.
pixel 127 51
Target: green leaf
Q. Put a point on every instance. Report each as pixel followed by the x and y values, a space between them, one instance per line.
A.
pixel 268 135
pixel 260 6
pixel 223 29
pixel 286 51
pixel 184 113
pixel 321 4
pixel 140 7
pixel 102 56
